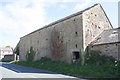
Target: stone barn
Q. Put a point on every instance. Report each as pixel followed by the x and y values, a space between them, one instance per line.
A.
pixel 66 39
pixel 108 43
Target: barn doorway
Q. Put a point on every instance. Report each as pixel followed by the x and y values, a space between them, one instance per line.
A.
pixel 76 56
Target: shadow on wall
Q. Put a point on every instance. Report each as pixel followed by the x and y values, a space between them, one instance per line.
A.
pixel 57 45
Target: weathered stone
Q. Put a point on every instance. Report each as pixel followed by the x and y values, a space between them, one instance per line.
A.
pixel 66 38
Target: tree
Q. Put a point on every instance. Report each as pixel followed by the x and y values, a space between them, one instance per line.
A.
pixel 7 47
pixel 30 54
pixel 17 50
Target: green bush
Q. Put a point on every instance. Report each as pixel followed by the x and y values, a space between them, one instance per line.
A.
pixel 30 54
pixel 96 57
pixel 17 50
pixel 90 70
pixel 96 66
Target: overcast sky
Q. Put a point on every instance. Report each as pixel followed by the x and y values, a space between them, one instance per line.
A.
pixel 20 17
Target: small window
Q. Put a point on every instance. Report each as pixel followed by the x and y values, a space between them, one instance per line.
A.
pixel 76 33
pixel 116 44
pixel 95 26
pixel 99 27
pixel 76 55
pixel 92 46
pixel 95 15
pixel 76 46
pixel 92 24
pixel 74 19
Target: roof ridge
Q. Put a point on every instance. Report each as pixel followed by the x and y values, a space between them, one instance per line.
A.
pixel 63 19
pixel 111 29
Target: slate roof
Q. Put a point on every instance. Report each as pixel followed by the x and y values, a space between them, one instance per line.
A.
pixel 63 19
pixel 108 36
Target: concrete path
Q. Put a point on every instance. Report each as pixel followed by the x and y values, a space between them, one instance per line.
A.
pixel 9 70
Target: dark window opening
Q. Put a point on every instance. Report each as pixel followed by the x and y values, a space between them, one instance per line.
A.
pixel 95 15
pixel 98 27
pixel 61 41
pixel 76 46
pixel 116 44
pixel 95 26
pixel 92 24
pixel 76 33
pixel 74 19
pixel 76 55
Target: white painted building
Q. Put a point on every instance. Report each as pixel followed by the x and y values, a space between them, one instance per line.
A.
pixel 5 51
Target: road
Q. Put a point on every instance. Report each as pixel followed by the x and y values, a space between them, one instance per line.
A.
pixel 9 70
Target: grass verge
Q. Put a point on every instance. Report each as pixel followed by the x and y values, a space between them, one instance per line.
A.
pixel 107 69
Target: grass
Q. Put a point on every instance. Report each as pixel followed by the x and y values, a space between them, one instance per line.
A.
pixel 4 61
pixel 8 61
pixel 89 70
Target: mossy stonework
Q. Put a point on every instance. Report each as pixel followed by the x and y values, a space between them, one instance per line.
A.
pixel 30 54
pixel 66 39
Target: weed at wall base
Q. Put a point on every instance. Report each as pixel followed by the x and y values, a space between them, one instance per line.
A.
pixel 30 55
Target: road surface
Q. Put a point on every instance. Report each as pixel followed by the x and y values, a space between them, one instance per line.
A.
pixel 9 70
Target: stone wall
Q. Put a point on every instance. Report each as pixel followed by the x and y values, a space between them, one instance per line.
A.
pixel 94 22
pixel 67 38
pixel 57 41
pixel 110 49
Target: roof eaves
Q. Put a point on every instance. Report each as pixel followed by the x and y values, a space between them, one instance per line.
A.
pixel 105 43
pixel 63 19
